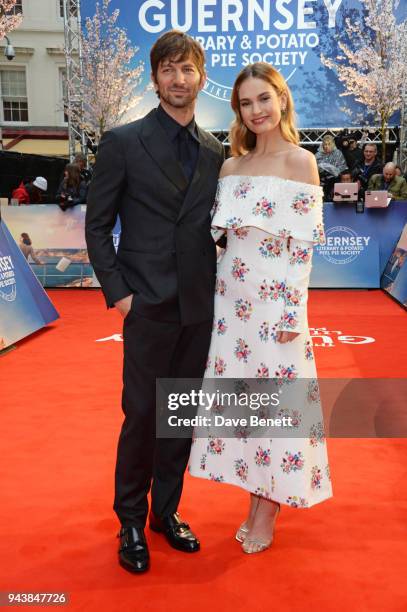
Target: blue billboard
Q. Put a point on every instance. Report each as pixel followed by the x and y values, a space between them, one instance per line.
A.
pixel 289 34
pixel 358 246
pixel 24 305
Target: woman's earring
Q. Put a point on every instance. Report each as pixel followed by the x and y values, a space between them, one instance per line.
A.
pixel 283 112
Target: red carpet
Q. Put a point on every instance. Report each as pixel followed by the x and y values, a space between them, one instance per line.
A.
pixel 60 392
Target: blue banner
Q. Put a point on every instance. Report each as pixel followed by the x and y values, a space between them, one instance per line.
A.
pixel 289 34
pixel 394 279
pixel 358 245
pixel 24 305
pixel 356 254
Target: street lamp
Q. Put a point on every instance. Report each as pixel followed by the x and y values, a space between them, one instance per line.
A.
pixel 9 50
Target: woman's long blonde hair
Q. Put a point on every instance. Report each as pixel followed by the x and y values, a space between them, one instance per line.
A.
pixel 242 139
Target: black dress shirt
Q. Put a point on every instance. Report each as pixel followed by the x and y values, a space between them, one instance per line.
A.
pixel 184 140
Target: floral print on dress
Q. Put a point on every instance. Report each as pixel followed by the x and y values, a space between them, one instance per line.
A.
pixel 296 502
pixel 283 233
pixel 318 234
pixel 286 374
pixel 220 366
pixel 264 208
pixel 317 434
pixel 242 189
pixel 264 331
pixel 292 296
pixel 264 291
pixel 217 408
pixel 292 462
pixel 262 457
pixel 294 415
pixel 316 477
pixel 303 203
pixel 271 247
pixel 241 387
pixel 289 320
pixel 242 433
pixel 273 286
pixel 216 477
pixel 273 291
pixel 243 309
pixel 233 222
pixel 242 351
pixel 241 232
pixel 300 256
pixel 241 469
pixel 216 446
pixel 313 391
pixel 239 269
pixel 262 371
pixel 309 353
pixel 263 492
pixel 221 327
pixel 220 287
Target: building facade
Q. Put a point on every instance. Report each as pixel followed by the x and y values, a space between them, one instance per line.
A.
pixel 31 85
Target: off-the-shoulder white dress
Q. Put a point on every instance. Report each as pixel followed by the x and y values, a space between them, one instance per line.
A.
pixel 272 225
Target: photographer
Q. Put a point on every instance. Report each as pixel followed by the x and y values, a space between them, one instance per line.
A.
pixel 348 144
pixel 73 189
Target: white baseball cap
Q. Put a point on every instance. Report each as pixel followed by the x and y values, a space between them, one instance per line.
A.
pixel 41 183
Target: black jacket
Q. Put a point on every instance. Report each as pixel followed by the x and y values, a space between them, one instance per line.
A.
pixel 357 172
pixel 166 256
pixel 72 196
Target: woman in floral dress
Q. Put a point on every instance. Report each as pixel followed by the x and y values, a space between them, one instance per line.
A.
pixel 269 203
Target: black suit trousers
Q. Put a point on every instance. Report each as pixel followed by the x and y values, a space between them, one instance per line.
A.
pixel 153 349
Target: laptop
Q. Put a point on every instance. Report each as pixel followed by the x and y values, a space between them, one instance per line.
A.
pixel 345 192
pixel 377 199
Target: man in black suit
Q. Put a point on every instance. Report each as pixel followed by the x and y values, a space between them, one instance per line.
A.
pixel 159 174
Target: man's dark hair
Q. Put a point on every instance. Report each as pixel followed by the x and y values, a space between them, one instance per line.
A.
pixel 346 171
pixel 176 46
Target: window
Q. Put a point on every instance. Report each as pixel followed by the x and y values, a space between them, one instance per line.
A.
pixel 63 92
pixel 73 5
pixel 17 8
pixel 13 91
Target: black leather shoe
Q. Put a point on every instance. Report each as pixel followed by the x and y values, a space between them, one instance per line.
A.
pixel 177 533
pixel 133 549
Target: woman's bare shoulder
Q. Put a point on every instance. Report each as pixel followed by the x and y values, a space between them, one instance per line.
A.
pixel 303 166
pixel 230 166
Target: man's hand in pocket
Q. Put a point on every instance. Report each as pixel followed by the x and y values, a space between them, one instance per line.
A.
pixel 124 305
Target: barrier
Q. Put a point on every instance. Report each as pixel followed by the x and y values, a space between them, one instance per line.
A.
pixel 357 251
pixel 24 305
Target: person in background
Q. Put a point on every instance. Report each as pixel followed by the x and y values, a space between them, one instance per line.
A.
pixel 330 162
pixel 399 172
pixel 81 161
pixel 365 169
pixel 73 189
pixel 353 154
pixel 396 186
pixel 31 192
pixel 329 158
pixel 345 176
pixel 26 247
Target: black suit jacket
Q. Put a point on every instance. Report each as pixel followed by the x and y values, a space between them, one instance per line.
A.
pixel 166 256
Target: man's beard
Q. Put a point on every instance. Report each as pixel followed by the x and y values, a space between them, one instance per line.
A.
pixel 183 102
